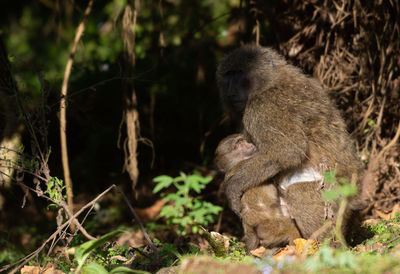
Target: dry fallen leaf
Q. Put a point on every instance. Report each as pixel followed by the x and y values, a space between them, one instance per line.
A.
pixel 394 211
pixel 371 222
pixel 297 249
pixel 289 250
pixel 150 213
pixel 49 269
pixel 134 239
pixel 259 252
pixel 385 216
pixel 379 247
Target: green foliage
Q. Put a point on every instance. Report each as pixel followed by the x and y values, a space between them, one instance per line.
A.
pixel 338 187
pixel 383 226
pixel 371 125
pixel 100 259
pixel 168 253
pixel 327 257
pixel 83 251
pixel 9 252
pixel 186 211
pixel 94 268
pixel 237 251
pixel 55 187
pixel 385 232
pixel 30 164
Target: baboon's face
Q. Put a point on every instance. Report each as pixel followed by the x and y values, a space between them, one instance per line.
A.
pixel 237 87
pixel 244 71
pixel 232 150
pixel 243 149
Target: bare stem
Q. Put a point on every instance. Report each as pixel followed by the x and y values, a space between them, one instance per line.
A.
pixel 63 111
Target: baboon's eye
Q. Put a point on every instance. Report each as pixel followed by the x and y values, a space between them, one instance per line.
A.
pixel 238 143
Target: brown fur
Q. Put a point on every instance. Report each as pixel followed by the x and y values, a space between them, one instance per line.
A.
pixel 293 123
pixel 261 213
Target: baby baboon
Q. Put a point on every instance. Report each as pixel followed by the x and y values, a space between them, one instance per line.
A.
pixel 232 150
pixel 290 119
pixel 262 218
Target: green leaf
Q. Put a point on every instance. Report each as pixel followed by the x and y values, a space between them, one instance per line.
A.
pixel 50 184
pixel 213 208
pixel 182 188
pixel 186 210
pixel 163 182
pixel 371 123
pixel 94 268
pixel 201 179
pixel 330 195
pixel 181 178
pixel 172 197
pixel 10 58
pixel 168 211
pixel 197 204
pixel 183 201
pixel 349 190
pixel 60 183
pixel 347 260
pixel 124 269
pixel 194 184
pixel 83 251
pixel 330 176
pixel 343 181
pixel 171 249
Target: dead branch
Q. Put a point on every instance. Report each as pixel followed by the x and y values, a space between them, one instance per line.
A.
pixel 63 110
pixel 131 114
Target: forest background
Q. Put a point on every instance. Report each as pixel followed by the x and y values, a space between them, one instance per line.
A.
pixel 141 97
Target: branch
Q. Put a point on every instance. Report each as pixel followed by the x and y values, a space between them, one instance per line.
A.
pixel 63 109
pixel 53 236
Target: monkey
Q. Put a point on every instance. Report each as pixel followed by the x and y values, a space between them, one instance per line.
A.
pixel 263 220
pixel 294 125
pixel 231 150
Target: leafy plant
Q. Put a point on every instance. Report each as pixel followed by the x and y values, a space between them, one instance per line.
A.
pixel 339 191
pixel 54 189
pixel 385 232
pixel 338 188
pixel 186 211
pixel 328 257
pixel 83 251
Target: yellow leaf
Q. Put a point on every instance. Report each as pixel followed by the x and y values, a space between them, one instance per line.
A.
pixel 311 245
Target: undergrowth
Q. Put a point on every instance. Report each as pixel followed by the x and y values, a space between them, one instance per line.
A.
pixel 188 213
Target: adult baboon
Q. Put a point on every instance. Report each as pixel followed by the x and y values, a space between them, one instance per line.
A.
pixel 292 122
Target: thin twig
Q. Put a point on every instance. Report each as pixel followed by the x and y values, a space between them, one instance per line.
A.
pixel 391 143
pixel 63 109
pixel 146 236
pixel 27 258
